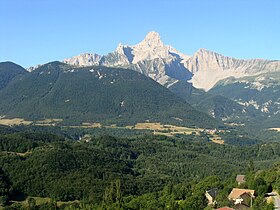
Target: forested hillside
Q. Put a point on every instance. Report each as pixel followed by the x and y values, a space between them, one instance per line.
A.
pixel 8 71
pixel 126 173
pixel 94 94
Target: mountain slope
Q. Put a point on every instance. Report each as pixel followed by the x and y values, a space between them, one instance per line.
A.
pixel 259 93
pixel 95 94
pixel 218 106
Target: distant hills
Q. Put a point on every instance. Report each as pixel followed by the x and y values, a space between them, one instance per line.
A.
pixel 92 94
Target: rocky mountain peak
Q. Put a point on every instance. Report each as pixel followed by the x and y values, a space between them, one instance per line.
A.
pixel 202 52
pixel 120 48
pixel 166 65
pixel 151 40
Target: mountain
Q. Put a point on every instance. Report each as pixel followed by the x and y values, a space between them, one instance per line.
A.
pixel 8 71
pixel 166 65
pixel 150 57
pixel 207 80
pixel 260 93
pixel 95 94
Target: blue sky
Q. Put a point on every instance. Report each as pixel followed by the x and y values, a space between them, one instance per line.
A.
pixel 38 31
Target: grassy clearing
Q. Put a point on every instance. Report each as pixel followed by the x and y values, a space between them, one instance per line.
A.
pixel 48 122
pixel 18 153
pixel 217 139
pixel 166 130
pixel 14 121
pixel 170 128
pixel 157 128
pixel 41 201
pixel 85 125
pixel 20 121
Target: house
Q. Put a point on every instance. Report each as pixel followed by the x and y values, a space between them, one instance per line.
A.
pixel 241 196
pixel 211 195
pixel 240 179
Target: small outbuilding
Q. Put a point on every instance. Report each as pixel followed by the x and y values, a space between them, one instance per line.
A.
pixel 240 179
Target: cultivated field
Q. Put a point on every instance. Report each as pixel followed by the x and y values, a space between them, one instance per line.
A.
pixel 167 130
pixel 14 121
pixel 20 121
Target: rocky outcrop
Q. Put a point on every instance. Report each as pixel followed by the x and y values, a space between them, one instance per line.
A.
pixel 209 67
pixel 86 59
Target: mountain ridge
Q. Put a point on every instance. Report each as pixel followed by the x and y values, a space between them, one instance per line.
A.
pixel 203 69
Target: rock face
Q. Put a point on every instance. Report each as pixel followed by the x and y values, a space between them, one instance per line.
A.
pixel 151 57
pixel 86 59
pixel 166 65
pixel 209 67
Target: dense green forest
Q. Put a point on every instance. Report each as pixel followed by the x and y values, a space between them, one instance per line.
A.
pixel 92 94
pixel 139 171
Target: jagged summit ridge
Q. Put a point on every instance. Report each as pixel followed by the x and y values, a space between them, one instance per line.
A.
pixel 151 57
pixel 151 40
pixel 166 65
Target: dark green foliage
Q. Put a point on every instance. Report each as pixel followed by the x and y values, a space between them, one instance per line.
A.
pixel 31 202
pixel 95 94
pixel 215 104
pixel 5 187
pixel 241 91
pixel 220 106
pixel 68 170
pixel 25 141
pixel 8 71
pixel 187 92
pixel 236 137
pixel 261 203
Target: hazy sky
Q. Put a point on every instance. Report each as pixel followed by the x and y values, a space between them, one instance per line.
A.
pixel 38 31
